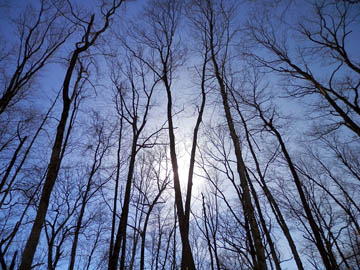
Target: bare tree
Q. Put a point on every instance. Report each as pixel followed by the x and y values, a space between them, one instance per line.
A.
pixel 102 147
pixel 214 23
pixel 165 55
pixel 89 185
pixel 40 32
pixel 133 103
pixel 327 33
pixel 156 175
pixel 89 37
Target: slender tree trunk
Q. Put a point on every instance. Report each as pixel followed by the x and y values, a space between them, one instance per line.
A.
pixel 85 198
pixel 208 14
pixel 247 204
pixel 88 39
pixel 326 257
pixel 207 235
pixel 264 226
pixel 53 169
pixel 143 233
pixel 274 206
pixel 121 233
pixel 187 261
pixel 27 151
pixel 116 190
pixel 12 162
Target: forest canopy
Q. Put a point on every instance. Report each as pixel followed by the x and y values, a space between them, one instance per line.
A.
pixel 180 134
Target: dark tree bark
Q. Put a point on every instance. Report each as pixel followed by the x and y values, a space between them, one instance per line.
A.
pixel 88 40
pixel 219 69
pixel 236 98
pixel 327 258
pixel 146 222
pixel 168 56
pixel 130 111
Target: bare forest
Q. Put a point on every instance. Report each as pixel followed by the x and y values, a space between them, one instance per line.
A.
pixel 180 134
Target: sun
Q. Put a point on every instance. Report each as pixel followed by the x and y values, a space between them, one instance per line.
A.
pixel 183 151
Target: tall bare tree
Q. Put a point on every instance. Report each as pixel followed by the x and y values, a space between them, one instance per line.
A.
pixel 165 55
pixel 214 23
pixel 133 103
pixel 89 37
